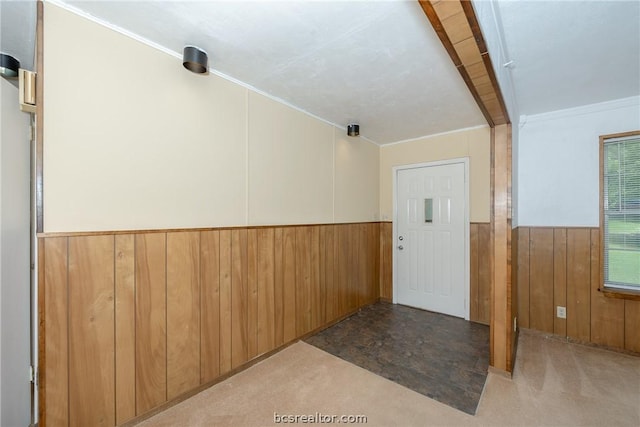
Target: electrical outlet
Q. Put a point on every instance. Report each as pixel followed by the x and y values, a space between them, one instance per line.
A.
pixel 561 312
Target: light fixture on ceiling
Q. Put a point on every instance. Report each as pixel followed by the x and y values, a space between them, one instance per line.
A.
pixel 8 66
pixel 194 59
pixel 353 129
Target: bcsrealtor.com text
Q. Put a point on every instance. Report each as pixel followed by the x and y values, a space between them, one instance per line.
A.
pixel 318 418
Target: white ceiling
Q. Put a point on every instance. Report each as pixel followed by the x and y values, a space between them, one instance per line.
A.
pixel 380 63
pixel 376 63
pixel 571 53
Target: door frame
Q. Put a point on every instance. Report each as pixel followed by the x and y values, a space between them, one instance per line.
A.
pixel 467 262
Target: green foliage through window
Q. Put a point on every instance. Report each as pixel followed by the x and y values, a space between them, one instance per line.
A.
pixel 622 212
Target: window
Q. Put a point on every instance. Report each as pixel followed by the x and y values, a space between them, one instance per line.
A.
pixel 620 162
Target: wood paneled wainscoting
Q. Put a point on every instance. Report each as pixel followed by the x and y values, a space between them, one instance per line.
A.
pixel 480 272
pixel 559 266
pixel 130 321
pixel 386 261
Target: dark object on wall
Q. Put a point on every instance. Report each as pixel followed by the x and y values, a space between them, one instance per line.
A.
pixel 194 59
pixel 8 66
pixel 353 130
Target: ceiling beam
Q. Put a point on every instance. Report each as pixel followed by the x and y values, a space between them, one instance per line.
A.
pixel 457 27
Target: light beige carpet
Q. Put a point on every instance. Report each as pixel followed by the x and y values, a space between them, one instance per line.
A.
pixel 554 384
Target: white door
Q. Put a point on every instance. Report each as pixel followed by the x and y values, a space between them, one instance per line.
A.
pixel 430 240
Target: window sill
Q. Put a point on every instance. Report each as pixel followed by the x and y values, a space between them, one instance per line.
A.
pixel 621 293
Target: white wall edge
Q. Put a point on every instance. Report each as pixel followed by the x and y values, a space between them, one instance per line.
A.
pixel 494 26
pixel 404 141
pixel 247 137
pixel 582 110
pixel 333 176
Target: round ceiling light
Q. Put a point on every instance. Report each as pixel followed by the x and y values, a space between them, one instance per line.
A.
pixel 353 129
pixel 194 59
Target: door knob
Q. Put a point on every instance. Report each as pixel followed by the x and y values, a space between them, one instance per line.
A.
pixel 401 247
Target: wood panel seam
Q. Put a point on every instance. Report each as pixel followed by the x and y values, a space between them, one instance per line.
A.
pixel 68 334
pixel 166 319
pixel 115 332
pixel 135 317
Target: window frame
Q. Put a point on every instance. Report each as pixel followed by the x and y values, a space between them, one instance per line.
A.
pixel 609 291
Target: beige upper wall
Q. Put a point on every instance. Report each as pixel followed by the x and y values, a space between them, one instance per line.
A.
pixel 290 165
pixel 302 170
pixel 134 141
pixel 473 143
pixel 357 173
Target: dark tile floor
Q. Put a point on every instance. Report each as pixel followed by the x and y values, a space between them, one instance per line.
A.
pixel 442 357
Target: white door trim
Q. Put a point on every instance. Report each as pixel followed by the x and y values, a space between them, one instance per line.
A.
pixel 395 169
